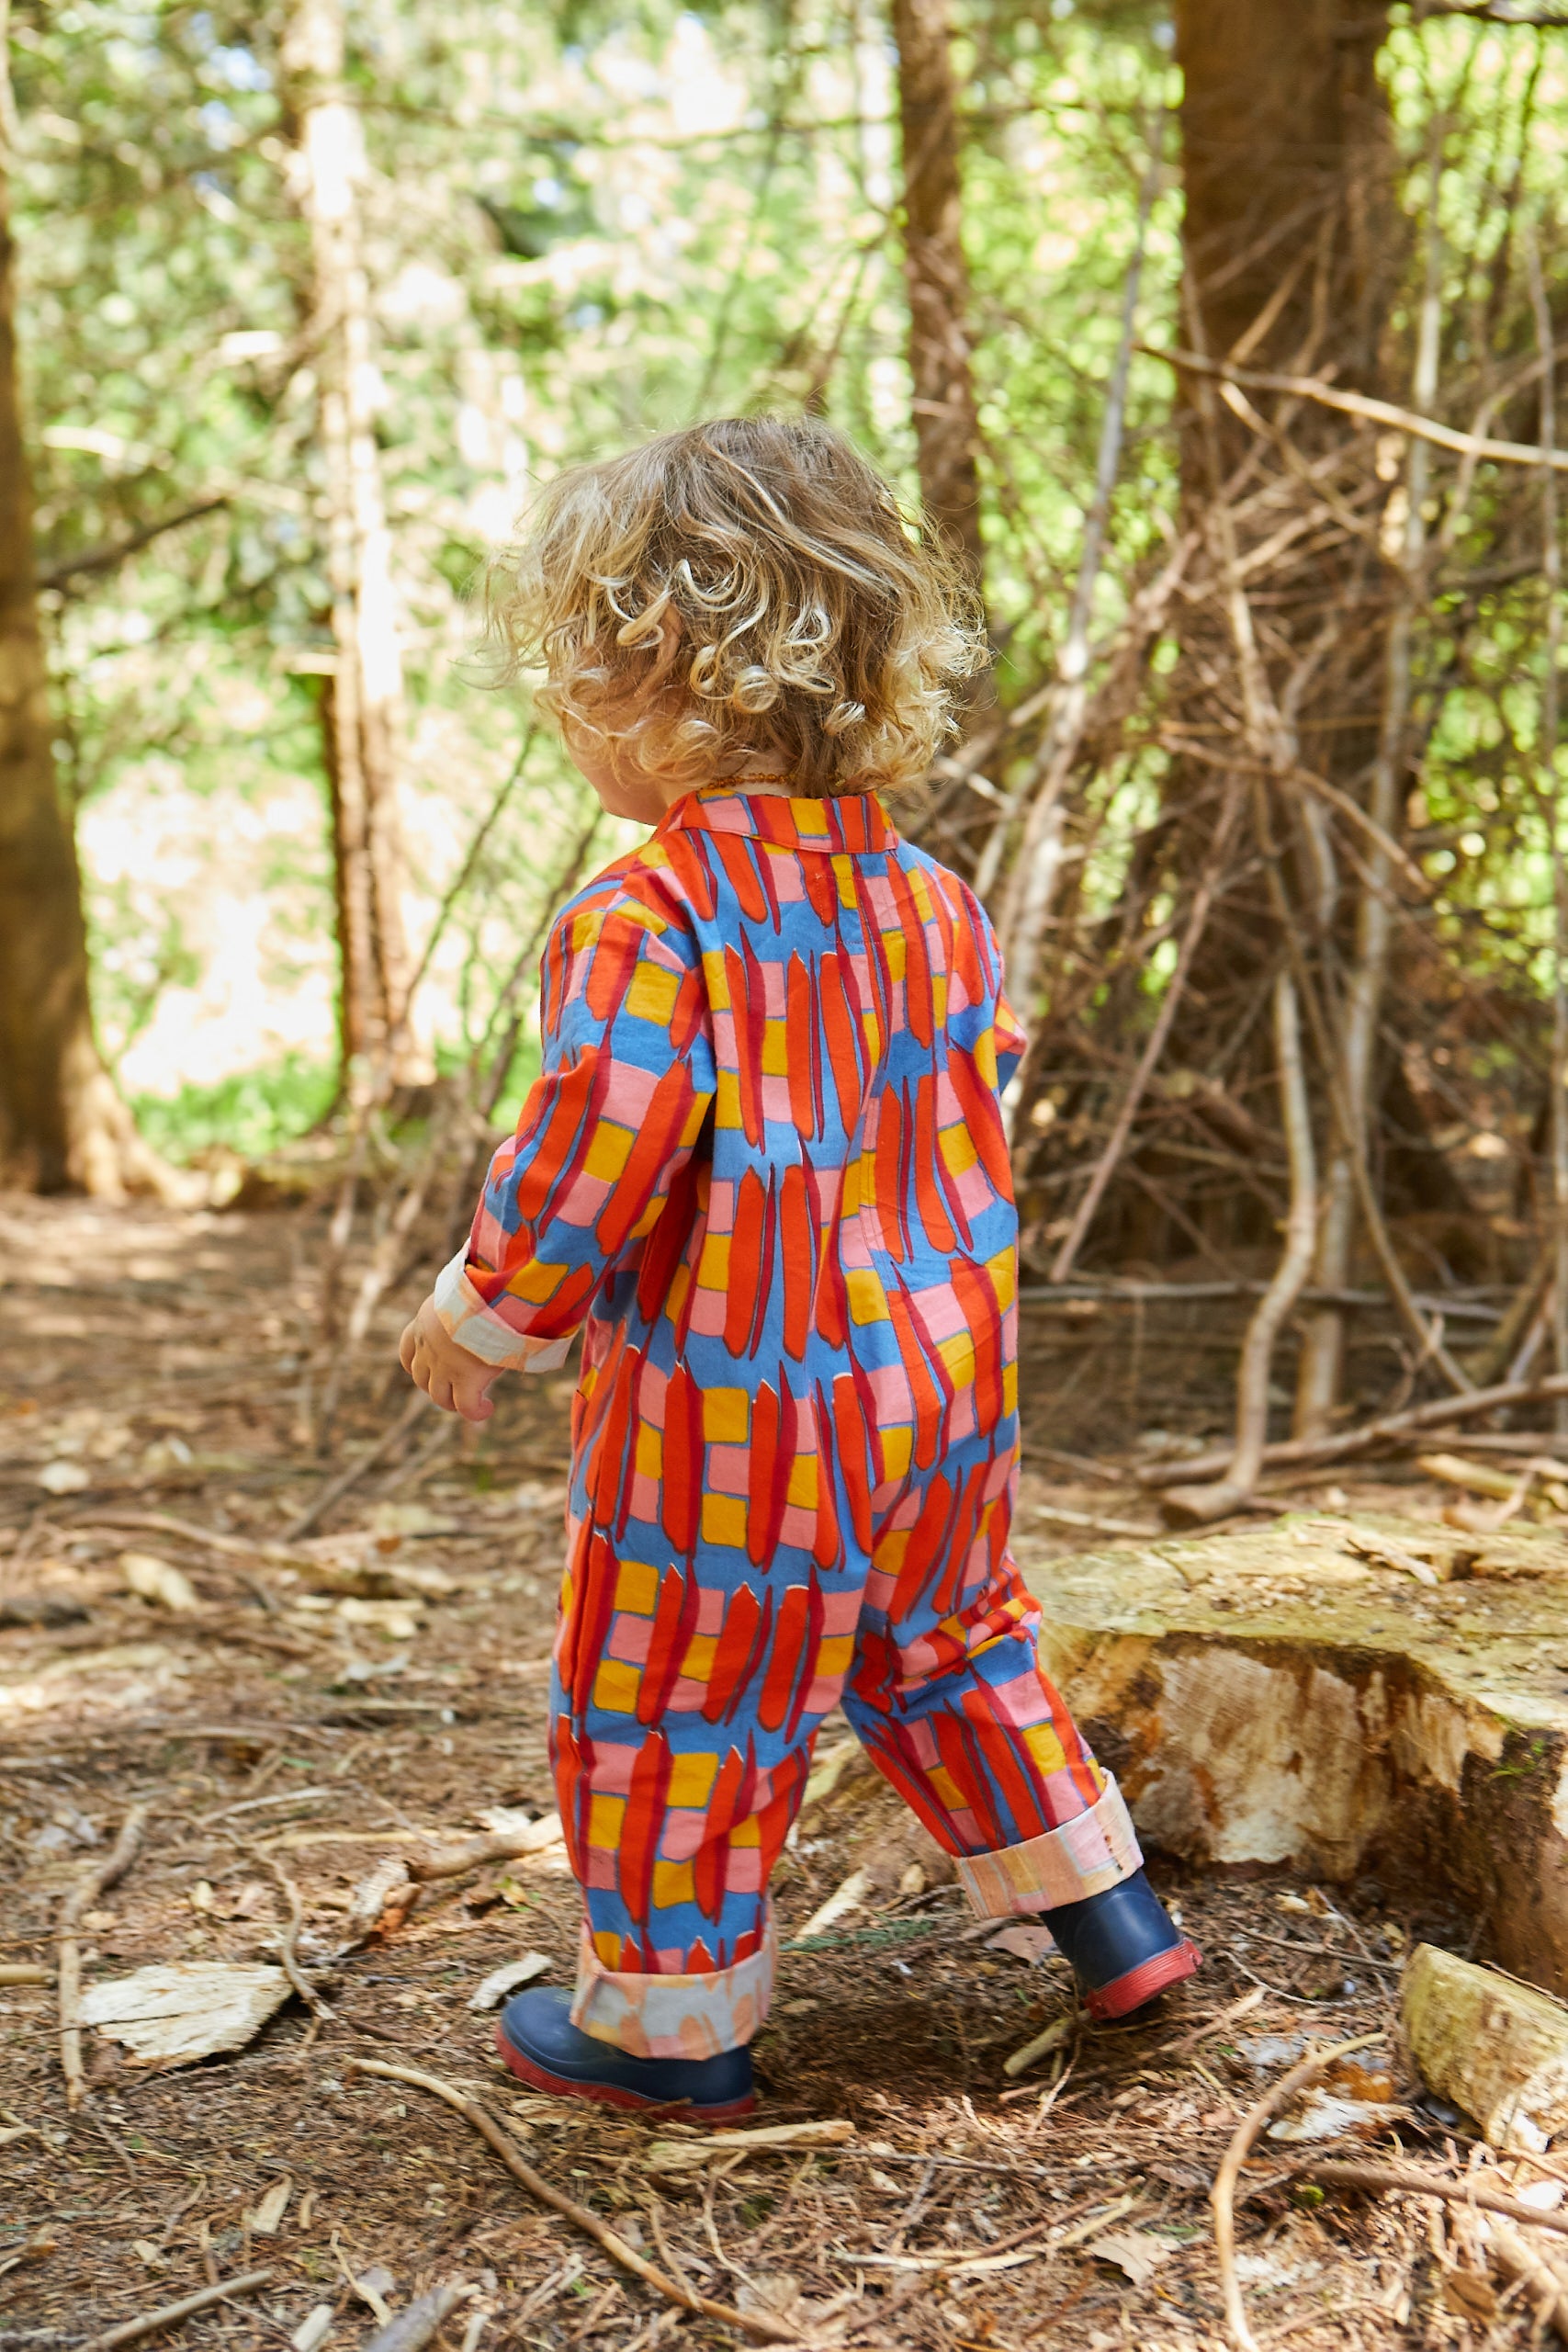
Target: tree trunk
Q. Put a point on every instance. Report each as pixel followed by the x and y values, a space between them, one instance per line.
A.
pixel 1292 255
pixel 61 1124
pixel 1286 170
pixel 947 425
pixel 362 709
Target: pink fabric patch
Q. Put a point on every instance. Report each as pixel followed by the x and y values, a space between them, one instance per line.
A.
pixel 730 1469
pixel 629 1638
pixel 708 1312
pixel 840 1612
pixel 683 1834
pixel 582 1202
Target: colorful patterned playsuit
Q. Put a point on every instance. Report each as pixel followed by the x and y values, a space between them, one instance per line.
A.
pixel 765 1165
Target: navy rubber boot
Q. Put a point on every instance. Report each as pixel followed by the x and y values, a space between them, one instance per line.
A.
pixel 539 2042
pixel 1123 1946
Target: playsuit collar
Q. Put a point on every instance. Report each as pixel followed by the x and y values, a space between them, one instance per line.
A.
pixel 854 821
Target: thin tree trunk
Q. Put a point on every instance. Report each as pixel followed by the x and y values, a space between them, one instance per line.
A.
pixel 1551 800
pixel 1321 1370
pixel 61 1124
pixel 947 424
pixel 361 709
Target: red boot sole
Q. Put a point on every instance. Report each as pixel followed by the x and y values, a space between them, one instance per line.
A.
pixel 527 2070
pixel 1124 1994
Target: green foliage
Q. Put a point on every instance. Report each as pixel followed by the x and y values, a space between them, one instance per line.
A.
pixel 584 223
pixel 252 1114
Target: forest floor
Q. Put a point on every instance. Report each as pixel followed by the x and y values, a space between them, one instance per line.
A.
pixel 280 1733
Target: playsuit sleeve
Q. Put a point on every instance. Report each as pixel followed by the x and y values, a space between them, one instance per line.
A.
pixel 626 1081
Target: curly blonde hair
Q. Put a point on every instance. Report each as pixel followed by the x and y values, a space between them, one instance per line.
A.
pixel 750 586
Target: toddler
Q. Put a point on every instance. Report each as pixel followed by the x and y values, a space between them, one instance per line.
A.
pixel 764 1173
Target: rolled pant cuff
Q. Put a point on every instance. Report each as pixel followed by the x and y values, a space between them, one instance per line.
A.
pixel 1084 1857
pixel 675 2017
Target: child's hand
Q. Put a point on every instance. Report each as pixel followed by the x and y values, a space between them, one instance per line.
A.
pixel 450 1376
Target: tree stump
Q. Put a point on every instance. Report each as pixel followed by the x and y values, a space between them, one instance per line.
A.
pixel 1298 1696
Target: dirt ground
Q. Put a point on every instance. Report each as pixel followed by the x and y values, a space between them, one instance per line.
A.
pixel 297 1723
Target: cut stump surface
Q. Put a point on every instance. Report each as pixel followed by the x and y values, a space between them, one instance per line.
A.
pixel 1296 1695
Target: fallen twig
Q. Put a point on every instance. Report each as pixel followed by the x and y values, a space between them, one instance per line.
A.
pixel 87 1891
pixel 1223 2195
pixel 288 1943
pixel 501 1846
pixel 23 1971
pixel 1294 1452
pixel 755 2323
pixel 335 1488
pixel 131 2331
pixel 1333 2172
pixel 414 2327
pixel 1541 2277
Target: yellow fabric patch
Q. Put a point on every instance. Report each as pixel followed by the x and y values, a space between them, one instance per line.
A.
pixel 810 816
pixel 727 1100
pixel 615 1687
pixel 834 1656
pixel 607 1950
pixel 1044 1748
pixel 844 875
pixel 939 998
pixel 889 1554
pixel 688 1134
pixel 958 1355
pixel 985 1055
pixel 652 994
pixel 1009 1388
pixel 636 1586
pixel 536 1283
pixel 945 1789
pixel 895 947
pixel 691 1779
pixel 713 1266
pixel 698 1660
pixel 1003 1270
pixel 726 1415
pixel 648 1459
pixel 674 1883
pixel 604 1817
pixel 920 891
pixel 724 1520
pixel 609 1152
pixel 680 1283
pixel 957 1148
pixel 801 1488
pixel 586 927
pixel 868 1300
pixel 897 1446
pixel 747 1833
pixel 715 979
pixel 775 1051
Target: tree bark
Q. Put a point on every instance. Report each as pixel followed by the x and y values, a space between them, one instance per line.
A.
pixel 61 1125
pixel 947 424
pixel 362 708
pixel 1292 255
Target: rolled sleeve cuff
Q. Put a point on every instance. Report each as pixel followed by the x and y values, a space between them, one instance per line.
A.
pixel 1098 1849
pixel 486 1334
pixel 675 2017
